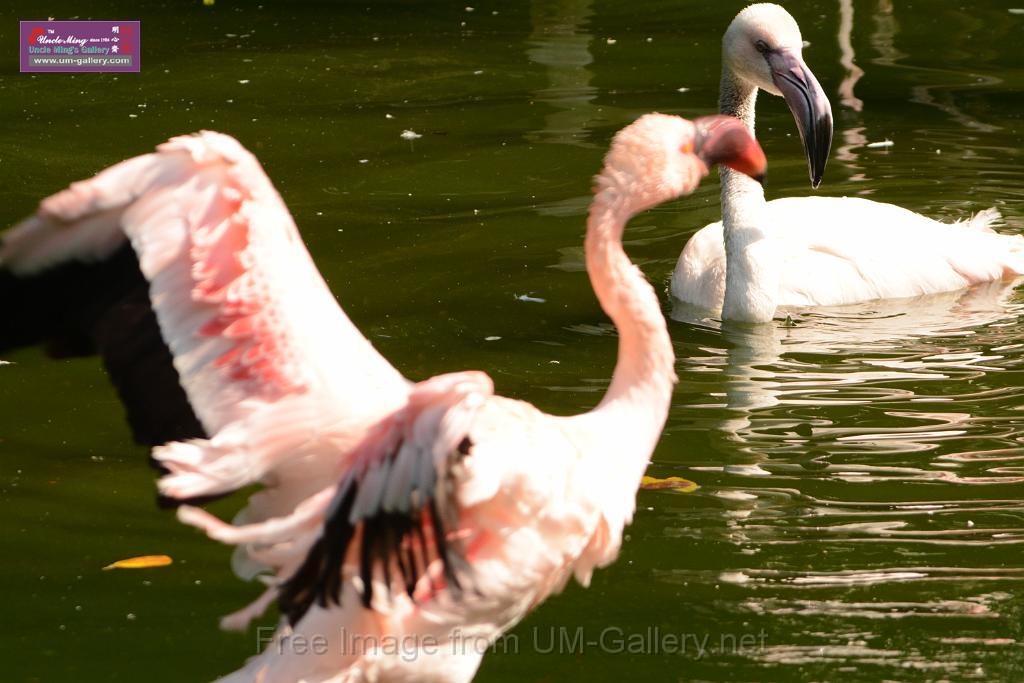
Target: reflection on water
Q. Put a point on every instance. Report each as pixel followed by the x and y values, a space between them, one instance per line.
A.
pixel 847 55
pixel 853 137
pixel 560 43
pixel 880 353
pixel 883 440
pixel 883 38
pixel 942 95
pixel 942 89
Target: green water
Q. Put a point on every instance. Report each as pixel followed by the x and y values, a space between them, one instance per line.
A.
pixel 859 515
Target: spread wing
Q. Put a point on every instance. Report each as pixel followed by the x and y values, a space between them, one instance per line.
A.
pixel 393 512
pixel 241 309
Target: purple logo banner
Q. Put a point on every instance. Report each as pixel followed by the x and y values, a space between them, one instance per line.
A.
pixel 76 46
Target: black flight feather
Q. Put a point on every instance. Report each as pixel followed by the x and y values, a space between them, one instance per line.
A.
pixel 81 309
pixel 386 539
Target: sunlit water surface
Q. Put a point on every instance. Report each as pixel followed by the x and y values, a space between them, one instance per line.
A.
pixel 859 515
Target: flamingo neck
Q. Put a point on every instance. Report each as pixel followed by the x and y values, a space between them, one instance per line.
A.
pixel 752 269
pixel 632 413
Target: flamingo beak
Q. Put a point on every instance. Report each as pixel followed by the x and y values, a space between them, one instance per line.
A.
pixel 809 105
pixel 727 141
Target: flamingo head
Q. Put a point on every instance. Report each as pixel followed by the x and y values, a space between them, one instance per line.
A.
pixel 659 157
pixel 763 47
pixel 727 141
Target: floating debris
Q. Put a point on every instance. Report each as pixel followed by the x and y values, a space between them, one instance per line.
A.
pixel 410 135
pixel 142 562
pixel 683 89
pixel 611 41
pixel 491 338
pixel 746 470
pixel 244 81
pixel 531 299
pixel 671 483
pixel 1016 10
pixel 880 145
pixel 734 577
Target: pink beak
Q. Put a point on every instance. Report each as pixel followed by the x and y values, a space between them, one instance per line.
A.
pixel 725 140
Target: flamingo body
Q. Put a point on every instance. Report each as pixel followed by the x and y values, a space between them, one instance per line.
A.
pixel 528 515
pixel 434 513
pixel 868 250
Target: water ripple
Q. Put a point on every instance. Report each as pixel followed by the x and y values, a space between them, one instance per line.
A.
pixel 863 467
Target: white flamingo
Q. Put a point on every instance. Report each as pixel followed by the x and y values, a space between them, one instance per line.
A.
pixel 815 251
pixel 430 515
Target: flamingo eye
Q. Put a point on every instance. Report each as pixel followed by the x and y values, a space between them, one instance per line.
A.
pixel 762 47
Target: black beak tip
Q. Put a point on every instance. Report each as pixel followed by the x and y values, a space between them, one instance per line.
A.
pixel 760 178
pixel 815 182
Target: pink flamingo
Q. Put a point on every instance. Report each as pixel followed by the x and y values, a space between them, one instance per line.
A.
pixel 446 509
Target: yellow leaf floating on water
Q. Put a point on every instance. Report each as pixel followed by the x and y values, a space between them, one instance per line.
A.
pixel 143 562
pixel 671 484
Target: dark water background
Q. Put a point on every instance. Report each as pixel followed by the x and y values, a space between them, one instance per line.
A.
pixel 859 516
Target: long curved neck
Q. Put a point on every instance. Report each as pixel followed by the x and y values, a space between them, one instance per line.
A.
pixel 752 271
pixel 630 418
